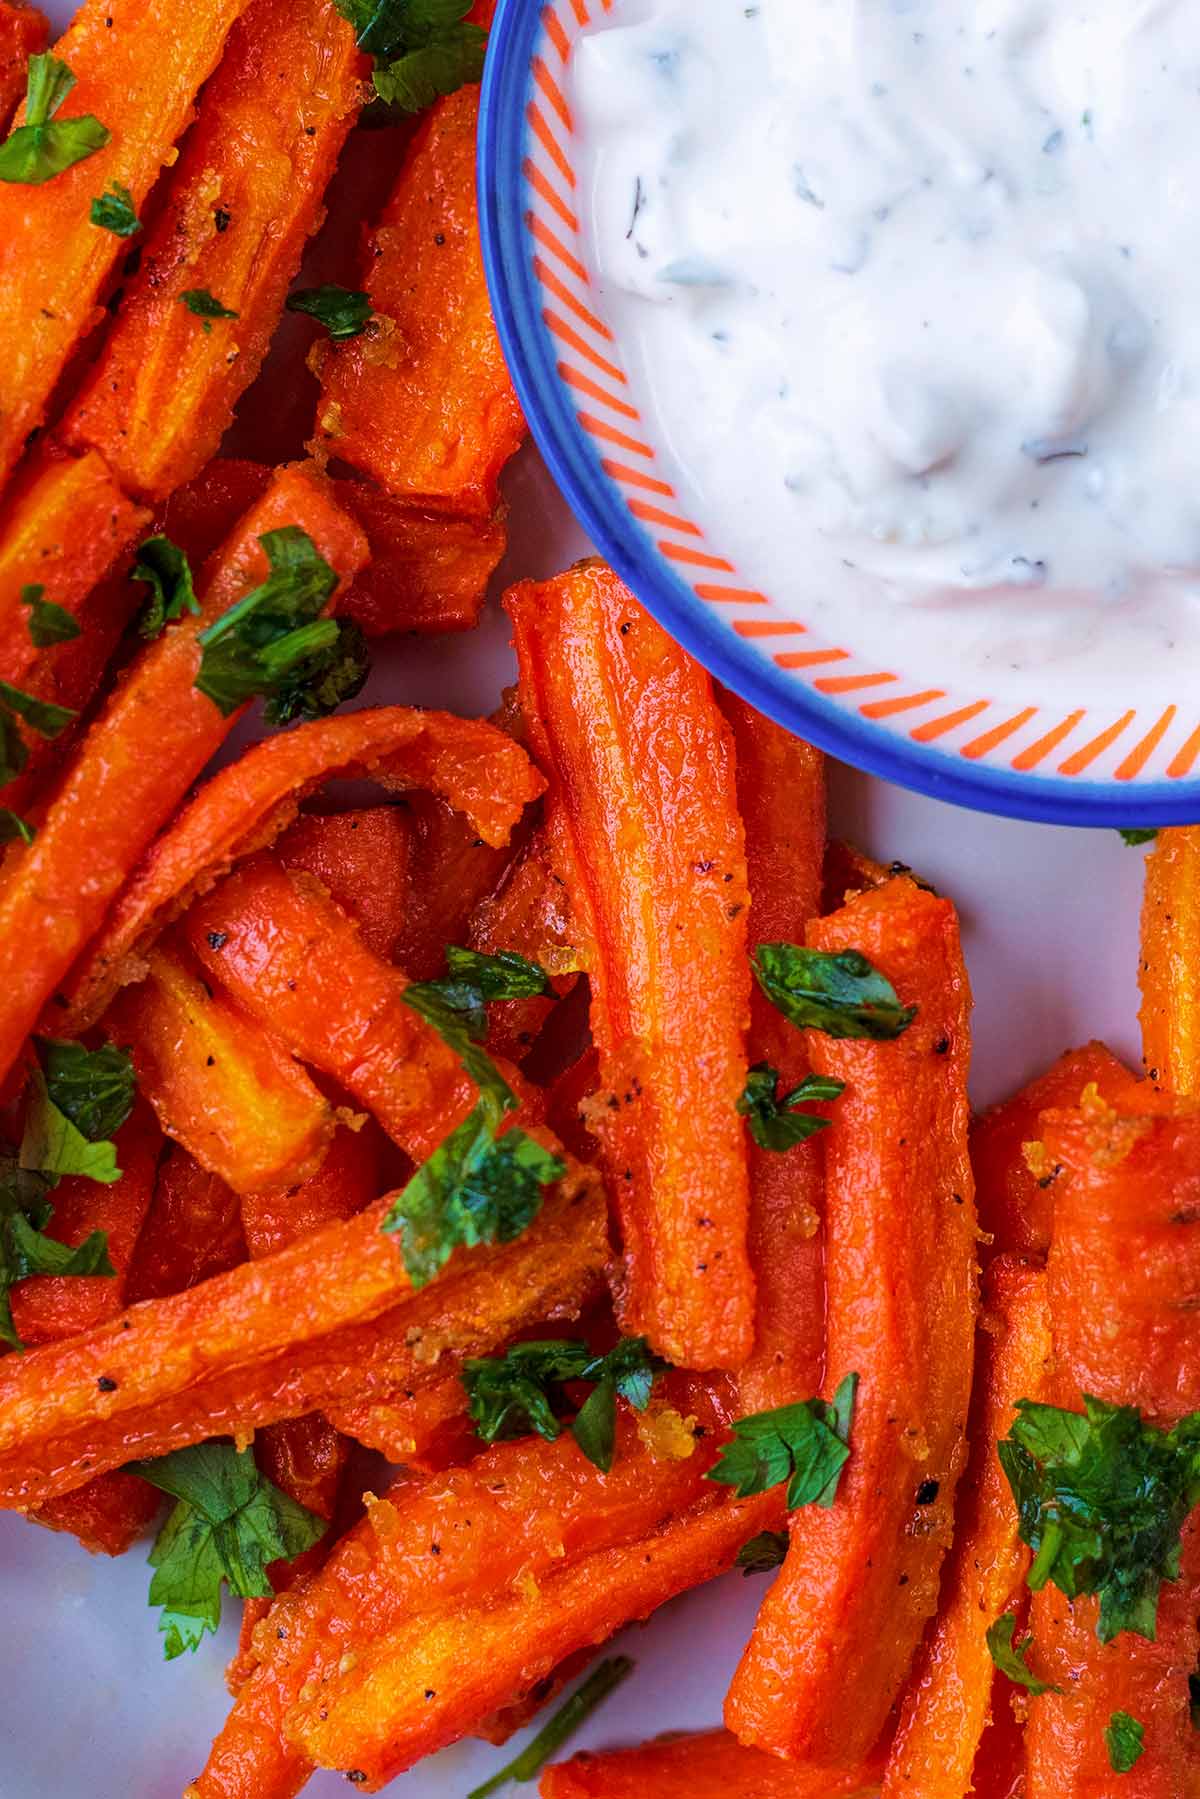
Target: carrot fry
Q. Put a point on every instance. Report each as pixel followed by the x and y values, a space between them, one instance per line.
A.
pixel 428 572
pixel 200 515
pixel 643 824
pixel 1169 968
pixel 838 1629
pixel 379 1718
pixel 710 1765
pixel 347 1180
pixel 239 209
pixel 503 1724
pixel 280 1337
pixel 287 954
pixel 23 32
pixel 781 796
pixel 453 870
pixel 192 1232
pixel 134 766
pixel 63 524
pixel 247 804
pixel 529 912
pixel 138 76
pixel 220 1084
pixel 1016 1206
pixel 361 859
pixel 417 1428
pixel 519 1511
pixel 945 1710
pixel 46 1307
pixel 425 406
pixel 848 871
pixel 108 1515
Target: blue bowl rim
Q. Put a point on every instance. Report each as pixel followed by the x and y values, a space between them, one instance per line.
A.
pixel 597 504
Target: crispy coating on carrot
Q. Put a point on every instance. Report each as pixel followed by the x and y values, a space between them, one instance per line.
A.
pixel 710 1765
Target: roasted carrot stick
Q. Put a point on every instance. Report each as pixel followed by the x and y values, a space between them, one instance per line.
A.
pixel 239 209
pixel 63 524
pixel 519 1511
pixel 134 766
pixel 423 403
pixel 200 515
pixel 453 870
pixel 347 1180
pixel 331 1318
pixel 1168 968
pixel 220 1084
pixel 1016 1205
pixel 362 860
pixel 781 796
pixel 428 572
pixel 642 823
pixel 108 1515
pixel 945 1710
pixel 477 767
pixel 529 912
pixel 379 1716
pixel 192 1231
pixel 139 78
pixel 23 32
pixel 839 1627
pixel 710 1765
pixel 47 1307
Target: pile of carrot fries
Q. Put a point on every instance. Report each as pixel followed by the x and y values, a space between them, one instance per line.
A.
pixel 456 1225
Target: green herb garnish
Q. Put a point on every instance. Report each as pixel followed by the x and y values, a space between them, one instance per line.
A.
pixel 12 826
pixel 840 994
pixel 273 641
pixel 1138 835
pixel 48 623
pixel 521 1391
pixel 1011 1657
pixel 1125 1741
pixel 206 306
pixel 45 146
pixel 774 1121
pixel 422 48
pixel 42 716
pixel 1101 1498
pixel 345 312
pixel 763 1553
pixel 165 569
pixel 565 1722
pixel 229 1522
pixel 806 1444
pixel 113 211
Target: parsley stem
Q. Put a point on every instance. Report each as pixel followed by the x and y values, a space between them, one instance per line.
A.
pixel 1044 1560
pixel 565 1722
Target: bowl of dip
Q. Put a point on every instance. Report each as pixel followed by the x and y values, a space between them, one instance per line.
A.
pixel 864 340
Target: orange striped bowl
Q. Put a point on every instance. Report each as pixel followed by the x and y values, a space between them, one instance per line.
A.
pixel 1055 757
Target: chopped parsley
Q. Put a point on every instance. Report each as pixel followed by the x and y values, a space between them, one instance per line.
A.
pixel 838 993
pixel 12 826
pixel 274 642
pixel 1010 1656
pixel 48 623
pixel 228 1523
pixel 113 211
pixel 345 312
pixel 1101 1498
pixel 526 1766
pixel 774 1121
pixel 764 1552
pixel 422 48
pixel 457 1003
pixel 206 306
pixel 478 1186
pixel 806 1444
pixel 42 716
pixel 521 1391
pixel 165 569
pixel 1125 1741
pixel 1140 834
pixel 45 146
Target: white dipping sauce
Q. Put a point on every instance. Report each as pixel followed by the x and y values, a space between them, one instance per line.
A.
pixel 913 292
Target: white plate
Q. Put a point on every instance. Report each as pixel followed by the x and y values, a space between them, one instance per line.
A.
pixel 90 1711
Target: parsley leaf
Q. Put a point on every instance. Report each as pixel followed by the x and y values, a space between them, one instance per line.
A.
pixel 1125 1741
pixel 94 1087
pixel 11 826
pixel 113 211
pixel 44 146
pixel 229 1522
pixel 1101 1498
pixel 521 1391
pixel 473 980
pixel 477 1186
pixel 25 1211
pixel 1010 1656
pixel 629 1370
pixel 273 642
pixel 422 48
pixel 840 994
pixel 206 306
pixel 774 1124
pixel 48 623
pixel 1132 839
pixel 764 1552
pixel 566 1721
pixel 165 569
pixel 42 716
pixel 345 312
pixel 806 1444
